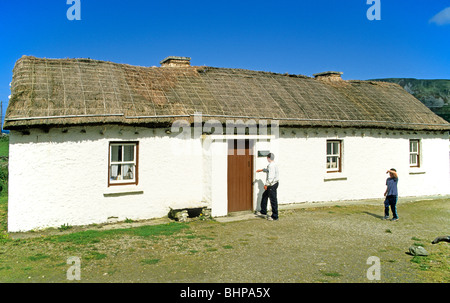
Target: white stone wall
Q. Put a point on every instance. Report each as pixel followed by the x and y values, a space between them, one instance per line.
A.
pixel 58 178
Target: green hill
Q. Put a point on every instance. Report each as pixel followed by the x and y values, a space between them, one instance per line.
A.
pixel 435 94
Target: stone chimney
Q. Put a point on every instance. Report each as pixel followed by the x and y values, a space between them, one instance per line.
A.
pixel 329 76
pixel 173 61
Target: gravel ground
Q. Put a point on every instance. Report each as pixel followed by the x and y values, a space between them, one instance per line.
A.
pixel 324 243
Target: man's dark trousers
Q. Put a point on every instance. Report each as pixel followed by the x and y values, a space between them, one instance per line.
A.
pixel 392 202
pixel 270 193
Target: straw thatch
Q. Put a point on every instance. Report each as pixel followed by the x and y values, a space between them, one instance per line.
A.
pixel 63 92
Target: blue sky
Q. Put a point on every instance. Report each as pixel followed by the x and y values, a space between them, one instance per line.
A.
pixel 412 39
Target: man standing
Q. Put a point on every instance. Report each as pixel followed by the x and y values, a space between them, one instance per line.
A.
pixel 270 188
pixel 391 195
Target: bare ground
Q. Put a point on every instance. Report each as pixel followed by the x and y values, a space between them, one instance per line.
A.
pixel 308 244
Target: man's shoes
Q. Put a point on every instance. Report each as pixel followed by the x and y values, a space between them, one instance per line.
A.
pixel 394 219
pixel 386 218
pixel 259 214
pixel 271 219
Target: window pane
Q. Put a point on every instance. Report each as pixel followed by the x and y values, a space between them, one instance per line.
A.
pixel 128 153
pixel 329 148
pixel 128 172
pixel 332 162
pixel 116 153
pixel 335 148
pixel 414 146
pixel 413 159
pixel 115 171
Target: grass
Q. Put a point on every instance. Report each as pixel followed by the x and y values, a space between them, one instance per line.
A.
pixel 38 257
pixel 64 227
pixel 4 146
pixel 3 215
pixel 95 255
pixel 95 236
pixel 49 253
pixel 149 261
pixel 332 274
pixel 436 265
pixel 4 153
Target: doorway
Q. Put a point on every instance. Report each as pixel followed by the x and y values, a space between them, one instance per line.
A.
pixel 240 175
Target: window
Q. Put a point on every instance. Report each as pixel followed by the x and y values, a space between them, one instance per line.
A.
pixel 123 164
pixel 414 153
pixel 334 156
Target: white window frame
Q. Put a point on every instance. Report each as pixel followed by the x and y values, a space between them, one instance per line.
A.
pixel 120 180
pixel 334 154
pixel 414 154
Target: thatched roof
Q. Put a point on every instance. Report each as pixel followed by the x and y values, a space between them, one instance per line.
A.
pixel 63 92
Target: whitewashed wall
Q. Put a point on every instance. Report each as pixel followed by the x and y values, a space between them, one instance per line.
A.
pixel 60 178
pixel 367 155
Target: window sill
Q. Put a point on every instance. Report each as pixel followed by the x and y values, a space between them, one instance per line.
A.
pixel 335 176
pixel 416 171
pixel 123 190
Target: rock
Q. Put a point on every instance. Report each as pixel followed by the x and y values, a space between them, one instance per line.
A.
pixel 185 214
pixel 206 212
pixel 180 215
pixel 440 239
pixel 417 251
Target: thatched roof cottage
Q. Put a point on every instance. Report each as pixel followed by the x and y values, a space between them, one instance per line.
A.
pixel 93 140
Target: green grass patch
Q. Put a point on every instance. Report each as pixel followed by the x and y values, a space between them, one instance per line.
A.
pixel 3 213
pixel 4 153
pixel 4 146
pixel 64 227
pixel 95 236
pixel 38 257
pixel 422 261
pixel 149 261
pixel 95 255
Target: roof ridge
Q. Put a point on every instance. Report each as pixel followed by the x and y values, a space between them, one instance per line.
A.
pixel 202 69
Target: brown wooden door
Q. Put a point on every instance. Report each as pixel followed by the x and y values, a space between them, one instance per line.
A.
pixel 240 175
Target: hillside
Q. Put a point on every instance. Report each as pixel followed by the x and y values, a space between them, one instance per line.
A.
pixel 435 94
